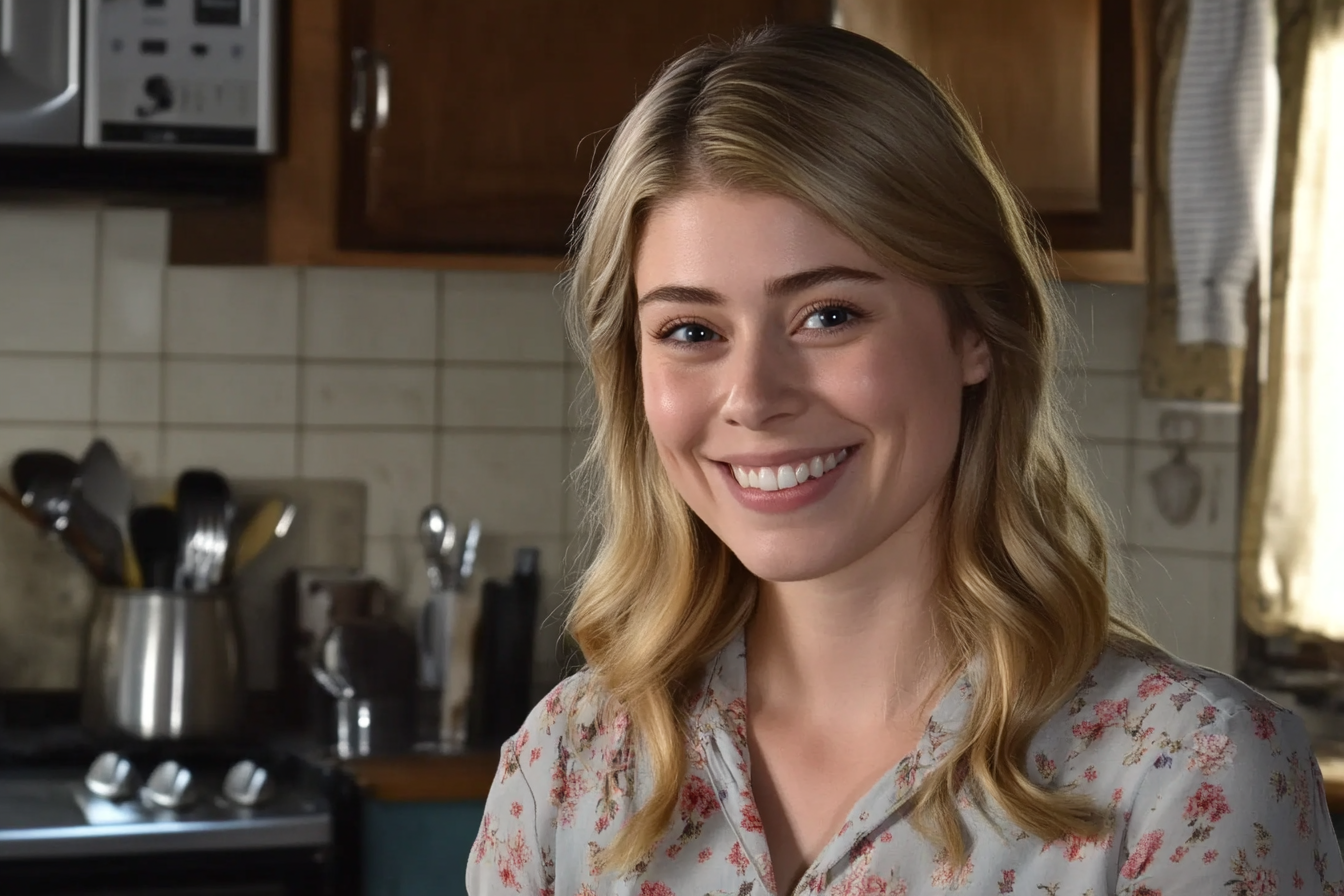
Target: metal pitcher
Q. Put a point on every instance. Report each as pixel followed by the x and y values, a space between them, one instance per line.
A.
pixel 163 665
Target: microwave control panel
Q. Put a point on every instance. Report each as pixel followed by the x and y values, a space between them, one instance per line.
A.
pixel 181 75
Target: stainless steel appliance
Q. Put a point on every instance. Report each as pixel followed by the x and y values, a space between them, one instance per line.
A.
pixel 163 665
pixel 166 820
pixel 41 98
pixel 167 75
pixel 181 74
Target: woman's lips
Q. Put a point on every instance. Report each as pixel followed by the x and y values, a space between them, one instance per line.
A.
pixel 790 497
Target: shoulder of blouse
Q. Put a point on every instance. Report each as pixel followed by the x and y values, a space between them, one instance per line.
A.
pixel 1172 692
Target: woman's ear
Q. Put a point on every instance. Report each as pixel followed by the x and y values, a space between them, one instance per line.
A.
pixel 976 360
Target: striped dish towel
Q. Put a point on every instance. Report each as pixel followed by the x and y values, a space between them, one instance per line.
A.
pixel 1224 131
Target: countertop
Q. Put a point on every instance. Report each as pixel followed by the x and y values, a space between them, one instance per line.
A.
pixel 426 778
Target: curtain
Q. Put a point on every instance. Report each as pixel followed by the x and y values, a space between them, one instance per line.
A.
pixel 1291 560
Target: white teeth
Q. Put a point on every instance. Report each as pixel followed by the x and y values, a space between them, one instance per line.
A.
pixel 773 479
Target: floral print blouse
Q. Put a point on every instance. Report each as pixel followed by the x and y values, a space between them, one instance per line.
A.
pixel 1214 787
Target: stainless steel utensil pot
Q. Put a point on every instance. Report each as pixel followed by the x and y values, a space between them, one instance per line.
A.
pixel 163 665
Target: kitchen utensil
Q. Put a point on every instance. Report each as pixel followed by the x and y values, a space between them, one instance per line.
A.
pixel 45 480
pixel 205 512
pixel 92 540
pixel 97 542
pixel 368 666
pixel 466 558
pixel 502 661
pixel 154 536
pixel 434 534
pixel 162 665
pixel 106 487
pixel 460 566
pixel 31 515
pixel 104 483
pixel 269 522
pixel 438 535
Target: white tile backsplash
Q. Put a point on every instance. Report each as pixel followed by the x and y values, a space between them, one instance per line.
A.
pixel 46 389
pixel 397 466
pixel 240 393
pixel 1108 321
pixel 139 448
pixel 513 481
pixel 457 387
pixel 368 395
pixel 1219 424
pixel 1213 525
pixel 1189 604
pixel 528 397
pixel 233 311
pixel 237 452
pixel 131 258
pixel 129 390
pixel 1104 402
pixel 1109 466
pixel 491 316
pixel 370 314
pixel 72 438
pixel 48 259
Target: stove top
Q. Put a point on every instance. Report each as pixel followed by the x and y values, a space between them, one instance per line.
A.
pixel 63 793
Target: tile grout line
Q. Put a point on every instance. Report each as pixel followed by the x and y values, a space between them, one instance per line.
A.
pixel 95 367
pixel 163 356
pixel 437 439
pixel 301 373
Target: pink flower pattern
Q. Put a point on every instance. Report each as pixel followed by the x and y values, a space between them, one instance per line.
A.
pixel 1207 785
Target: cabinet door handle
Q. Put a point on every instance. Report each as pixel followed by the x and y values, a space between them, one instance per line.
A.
pixel 382 91
pixel 6 27
pixel 359 87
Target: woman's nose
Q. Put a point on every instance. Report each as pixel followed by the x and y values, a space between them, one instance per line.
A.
pixel 762 380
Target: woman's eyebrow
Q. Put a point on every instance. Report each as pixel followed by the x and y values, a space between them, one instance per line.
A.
pixel 780 287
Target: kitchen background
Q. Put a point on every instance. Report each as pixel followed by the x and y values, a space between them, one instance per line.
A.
pixel 458 387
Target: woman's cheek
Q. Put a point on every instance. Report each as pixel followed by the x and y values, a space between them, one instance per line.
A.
pixel 673 403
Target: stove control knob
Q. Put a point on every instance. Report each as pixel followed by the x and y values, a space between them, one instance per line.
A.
pixel 169 787
pixel 112 777
pixel 248 784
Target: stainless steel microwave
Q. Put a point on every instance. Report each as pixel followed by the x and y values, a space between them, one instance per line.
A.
pixel 155 75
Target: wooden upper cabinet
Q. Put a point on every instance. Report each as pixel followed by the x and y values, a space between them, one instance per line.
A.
pixel 461 133
pixel 1058 90
pixel 474 126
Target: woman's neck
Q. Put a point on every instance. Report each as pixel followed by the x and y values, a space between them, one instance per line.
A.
pixel 857 648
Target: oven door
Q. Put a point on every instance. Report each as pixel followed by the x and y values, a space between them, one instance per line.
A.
pixel 266 872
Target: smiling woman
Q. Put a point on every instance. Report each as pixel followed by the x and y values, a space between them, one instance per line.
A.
pixel 847 624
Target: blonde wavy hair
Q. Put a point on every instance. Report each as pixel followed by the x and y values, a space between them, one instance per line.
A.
pixel 861 137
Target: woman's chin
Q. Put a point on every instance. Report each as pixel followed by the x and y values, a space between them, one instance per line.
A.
pixel 781 562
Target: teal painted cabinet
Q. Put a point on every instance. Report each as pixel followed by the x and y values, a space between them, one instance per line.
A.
pixel 418 849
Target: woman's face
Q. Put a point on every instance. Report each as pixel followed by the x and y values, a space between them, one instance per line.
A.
pixel 804 399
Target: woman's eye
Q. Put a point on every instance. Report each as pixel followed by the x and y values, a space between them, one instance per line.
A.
pixel 827 318
pixel 691 333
